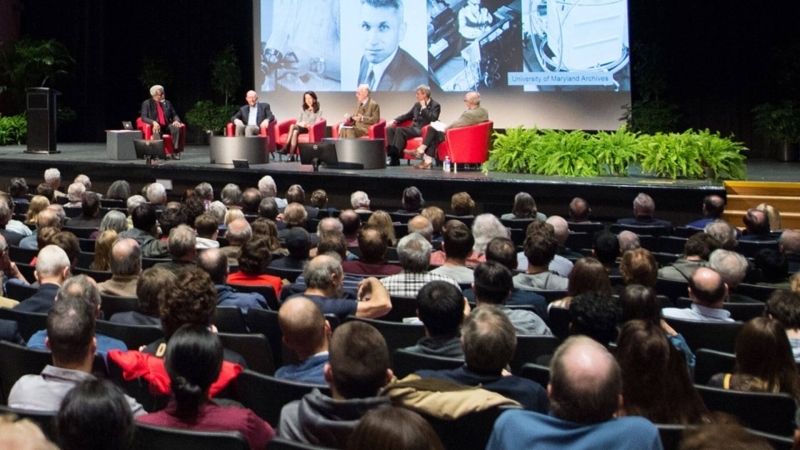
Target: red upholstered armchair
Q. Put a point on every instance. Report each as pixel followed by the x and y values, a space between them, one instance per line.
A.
pixel 413 143
pixel 467 145
pixel 169 146
pixel 268 131
pixel 315 133
pixel 376 131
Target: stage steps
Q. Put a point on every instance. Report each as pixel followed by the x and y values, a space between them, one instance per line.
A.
pixel 743 195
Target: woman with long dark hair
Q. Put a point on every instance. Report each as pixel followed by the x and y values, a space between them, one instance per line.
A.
pixel 309 115
pixel 193 362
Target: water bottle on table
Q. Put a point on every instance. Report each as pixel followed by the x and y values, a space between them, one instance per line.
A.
pixel 446 165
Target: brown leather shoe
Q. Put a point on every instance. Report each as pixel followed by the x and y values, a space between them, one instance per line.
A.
pixel 413 153
pixel 424 165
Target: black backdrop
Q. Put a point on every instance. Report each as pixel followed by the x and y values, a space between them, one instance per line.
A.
pixel 716 54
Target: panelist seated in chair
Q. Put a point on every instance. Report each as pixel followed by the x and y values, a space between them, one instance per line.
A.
pixel 309 115
pixel 367 113
pixel 159 113
pixel 424 111
pixel 474 115
pixel 252 117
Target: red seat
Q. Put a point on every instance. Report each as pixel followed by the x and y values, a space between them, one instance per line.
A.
pixel 413 143
pixel 376 131
pixel 268 131
pixel 467 145
pixel 315 133
pixel 169 146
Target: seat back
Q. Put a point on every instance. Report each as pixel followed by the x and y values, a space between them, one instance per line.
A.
pixel 150 262
pixel 134 336
pixel 22 255
pixel 18 360
pixel 28 323
pixel 720 336
pixel 87 245
pixel 551 296
pixel 711 362
pixel 79 232
pixel 266 395
pixel 397 335
pixel 163 438
pixel 750 248
pixel 405 362
pixel 672 289
pixel 112 304
pixel 686 232
pixel 536 372
pixel 754 291
pixel 586 227
pixel 19 292
pixel 268 292
pixel 558 321
pixel 578 240
pixel 469 432
pixel 98 275
pixel 254 348
pixel 288 274
pixel 671 244
pixel 86 259
pixel 649 230
pixel 671 435
pixel 468 145
pixel 401 307
pixel 529 348
pixel 770 413
pixel 229 319
pixel 522 224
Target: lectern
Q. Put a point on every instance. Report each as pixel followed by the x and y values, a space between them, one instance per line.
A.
pixel 42 120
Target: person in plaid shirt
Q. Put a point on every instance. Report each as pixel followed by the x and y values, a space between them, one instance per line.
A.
pixel 415 253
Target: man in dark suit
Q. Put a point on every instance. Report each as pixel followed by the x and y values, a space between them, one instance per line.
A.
pixel 159 113
pixel 424 111
pixel 385 66
pixel 643 209
pixel 52 269
pixel 252 117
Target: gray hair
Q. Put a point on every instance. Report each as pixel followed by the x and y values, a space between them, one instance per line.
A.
pixel 317 272
pixel 329 224
pixel 156 193
pixel 133 202
pixel 414 252
pixel 182 241
pixel 155 88
pixel 732 266
pixel 75 191
pixel 81 287
pixel 231 194
pixel 363 87
pixel 426 232
pixel 85 181
pixel 114 220
pixel 359 198
pixel 644 204
pixel 724 233
pixel 119 189
pixel 204 191
pixel 489 339
pixel 267 187
pixel 51 175
pixel 790 240
pixel 474 98
pixel 238 237
pixel 628 240
pixel 218 209
pixel 129 262
pixel 425 89
pixel 51 261
pixel 485 228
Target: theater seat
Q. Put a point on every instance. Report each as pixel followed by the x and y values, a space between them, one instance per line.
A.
pixel 169 146
pixel 413 143
pixel 268 131
pixel 376 131
pixel 316 133
pixel 467 145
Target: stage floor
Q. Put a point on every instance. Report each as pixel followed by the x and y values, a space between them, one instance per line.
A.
pixel 494 191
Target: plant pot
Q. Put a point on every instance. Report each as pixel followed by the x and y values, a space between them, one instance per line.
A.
pixel 788 152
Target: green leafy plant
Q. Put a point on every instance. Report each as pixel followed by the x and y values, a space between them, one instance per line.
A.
pixel 210 117
pixel 671 155
pixel 13 130
pixel 564 153
pixel 511 149
pixel 778 123
pixel 33 63
pixel 723 156
pixel 615 151
pixel 225 74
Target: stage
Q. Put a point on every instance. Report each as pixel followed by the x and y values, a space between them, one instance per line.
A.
pixel 609 197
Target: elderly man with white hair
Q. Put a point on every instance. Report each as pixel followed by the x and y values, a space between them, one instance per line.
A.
pixel 643 210
pixel 252 117
pixel 158 112
pixel 414 252
pixel 52 269
pixel 157 196
pixel 74 193
pixel 268 189
pixel 52 177
pixel 359 200
pixel 732 267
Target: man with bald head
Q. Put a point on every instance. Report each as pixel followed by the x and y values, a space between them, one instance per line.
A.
pixel 239 232
pixel 46 218
pixel 708 293
pixel 52 269
pixel 252 117
pixel 585 394
pixel 579 210
pixel 307 333
pixel 351 223
pixel 713 207
pixel 126 266
pixel 422 226
pixel 561 232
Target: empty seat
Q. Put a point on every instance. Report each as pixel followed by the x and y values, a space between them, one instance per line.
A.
pixel 720 336
pixel 405 362
pixel 529 348
pixel 163 438
pixel 711 362
pixel 397 335
pixel 770 413
pixel 266 395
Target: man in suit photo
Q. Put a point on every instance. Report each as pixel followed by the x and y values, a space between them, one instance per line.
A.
pixel 424 111
pixel 385 66
pixel 158 112
pixel 252 117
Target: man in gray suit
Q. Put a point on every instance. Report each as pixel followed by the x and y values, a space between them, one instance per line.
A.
pixel 252 117
pixel 474 114
pixel 385 66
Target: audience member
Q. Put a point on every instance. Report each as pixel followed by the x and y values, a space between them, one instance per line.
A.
pixel 722 436
pixel 359 200
pixel 774 268
pixel 605 247
pixel 441 308
pixel 126 266
pixel 790 246
pixel 540 250
pixel 151 282
pixel 254 259
pixel 74 194
pixel 71 341
pixel 37 204
pixel 239 232
pixel 46 191
pixel 216 264
pixel 784 306
pixel 306 332
pixel 207 231
pixel 69 243
pixel 12 224
pixel 18 190
pixel 394 428
pixel 422 226
pixel 119 190
pixel 457 246
pixel 52 269
pixel 268 189
pixel 412 201
pixel 757 226
pixel 639 266
pixel 732 267
pixel 579 210
pixel 383 220
pixel 414 252
pixel 655 378
pixel 296 194
pixel 643 210
pixel 52 177
pixel 372 245
pixel 182 249
pixel 713 207
pixel 489 343
pixel 231 196
pixel 492 286
pixel 157 196
pixel 251 199
pixel 298 243
pixel 95 415
pixel 24 434
pixel 194 362
pixel 585 394
pixel 524 208
pixel 486 227
pixel 359 366
pixel 205 191
pixel 113 220
pixel 628 240
pixel 90 212
pixel 596 315
pixel 46 218
pixel 724 233
pixel 8 268
pixel 561 233
pixel 708 292
pixel 773 215
pixel 351 224
pixel 462 204
pixel 588 275
pixel 174 215
pixel 695 254
pixel 437 218
pixel 11 237
pixel 145 232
